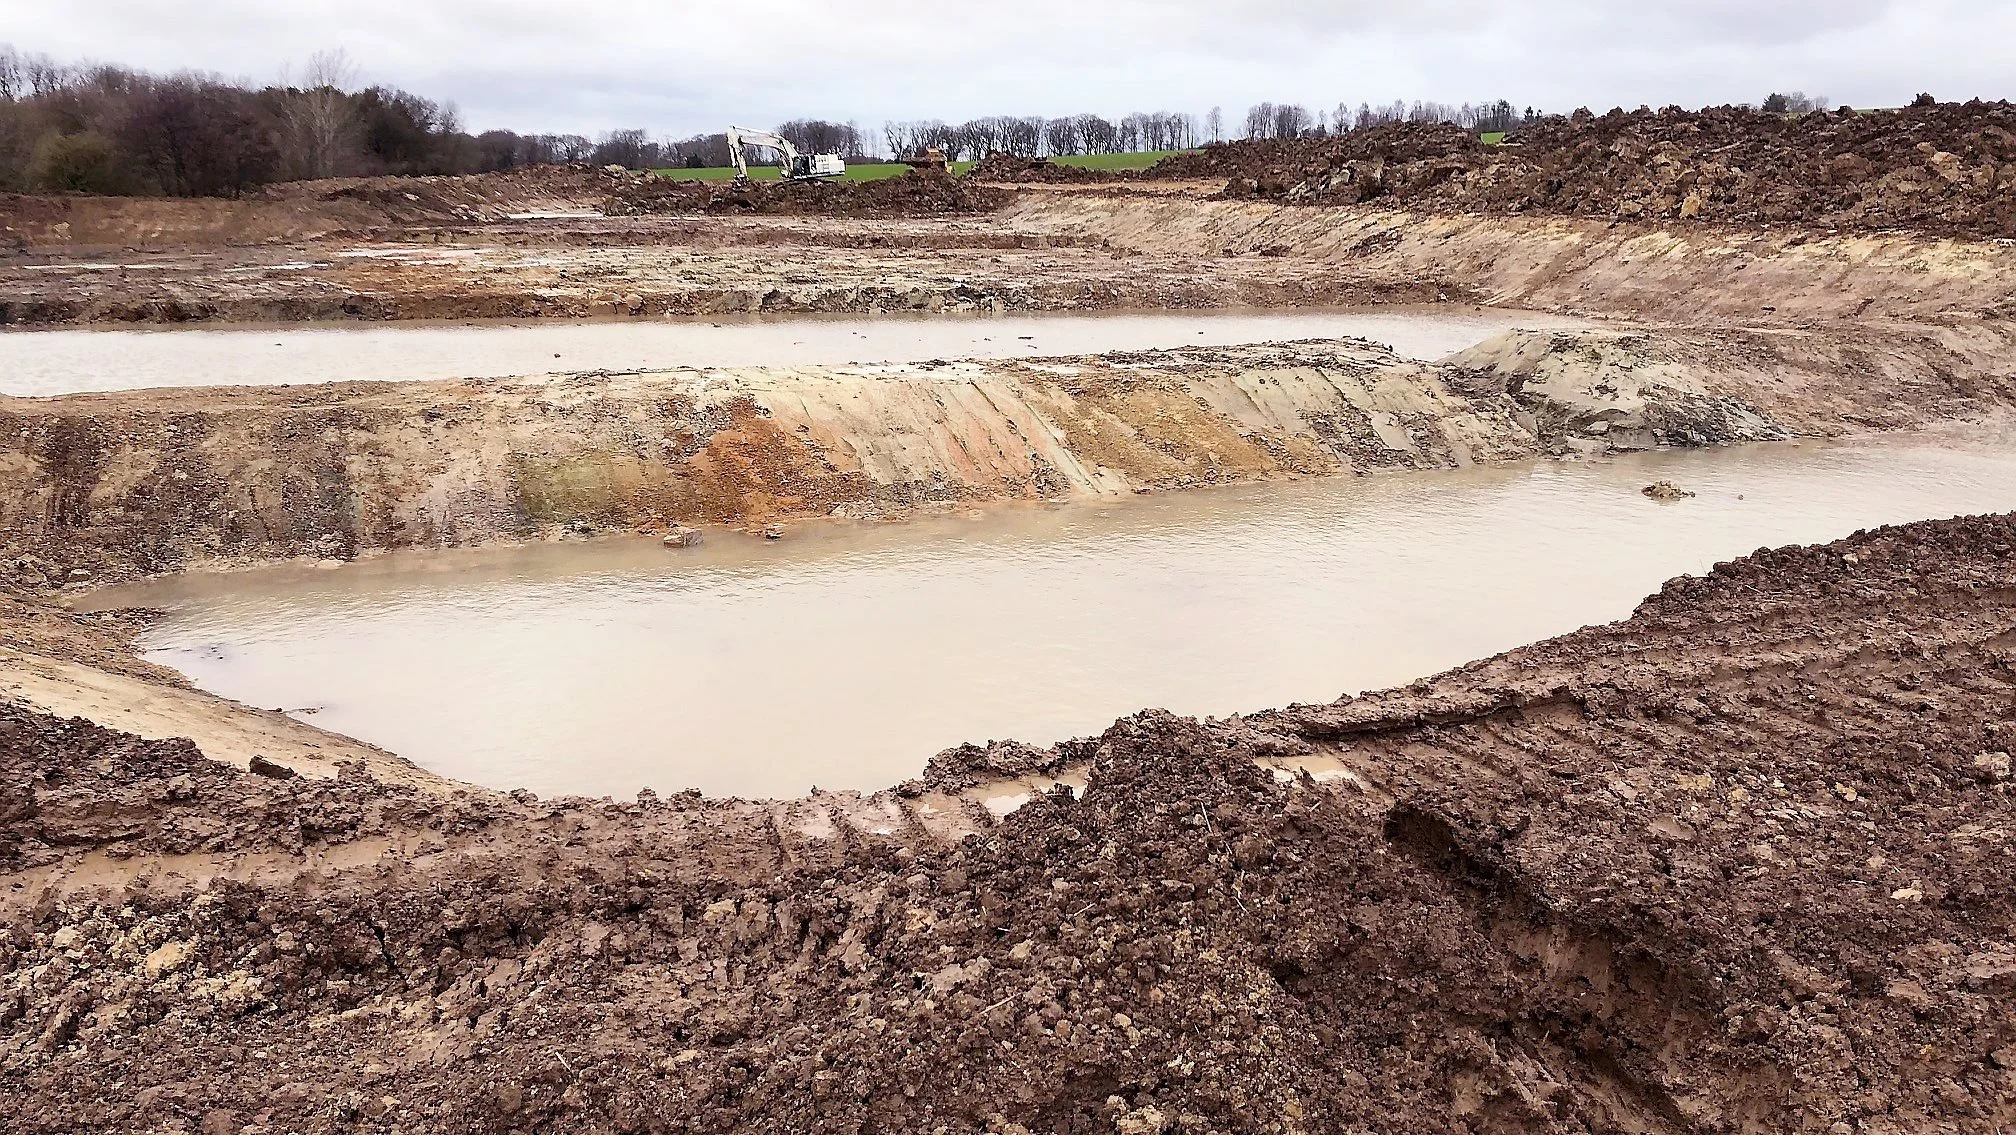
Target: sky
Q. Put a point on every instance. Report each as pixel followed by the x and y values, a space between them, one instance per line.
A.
pixel 679 68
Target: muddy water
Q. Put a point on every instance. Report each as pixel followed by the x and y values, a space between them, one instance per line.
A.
pixel 40 363
pixel 842 655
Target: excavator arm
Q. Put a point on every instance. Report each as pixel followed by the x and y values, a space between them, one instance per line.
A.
pixel 739 137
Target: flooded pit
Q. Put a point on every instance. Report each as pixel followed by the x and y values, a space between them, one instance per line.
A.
pixel 843 655
pixel 45 363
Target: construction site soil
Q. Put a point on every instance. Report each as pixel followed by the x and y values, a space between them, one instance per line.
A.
pixel 1740 863
pixel 1947 169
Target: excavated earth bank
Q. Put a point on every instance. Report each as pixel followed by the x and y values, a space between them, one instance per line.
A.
pixel 1946 169
pixel 104 486
pixel 1742 862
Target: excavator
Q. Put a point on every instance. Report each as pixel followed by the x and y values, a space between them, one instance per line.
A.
pixel 796 167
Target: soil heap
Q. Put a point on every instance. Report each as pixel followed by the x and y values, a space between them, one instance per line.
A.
pixel 1948 169
pixel 1000 166
pixel 1741 862
pixel 918 193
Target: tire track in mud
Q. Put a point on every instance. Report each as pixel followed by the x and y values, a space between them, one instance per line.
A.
pixel 1740 862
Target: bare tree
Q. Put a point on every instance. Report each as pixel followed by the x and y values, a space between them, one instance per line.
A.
pixel 1061 136
pixel 13 75
pixel 631 149
pixel 1101 136
pixel 45 77
pixel 818 136
pixel 1214 124
pixel 1794 102
pixel 197 137
pixel 1260 120
pixel 910 139
pixel 318 121
pixel 1292 121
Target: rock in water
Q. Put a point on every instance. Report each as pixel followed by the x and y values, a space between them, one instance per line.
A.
pixel 1665 491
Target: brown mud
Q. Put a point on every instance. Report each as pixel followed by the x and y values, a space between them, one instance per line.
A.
pixel 1740 863
pixel 1946 170
pixel 100 487
pixel 1615 881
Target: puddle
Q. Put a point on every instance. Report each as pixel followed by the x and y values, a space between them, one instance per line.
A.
pixel 40 363
pixel 843 655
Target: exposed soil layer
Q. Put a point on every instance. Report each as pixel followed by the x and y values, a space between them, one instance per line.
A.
pixel 95 487
pixel 1000 167
pixel 1947 169
pixel 1742 862
pixel 917 193
pixel 357 205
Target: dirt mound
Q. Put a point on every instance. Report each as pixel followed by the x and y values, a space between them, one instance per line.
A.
pixel 1948 169
pixel 471 197
pixel 913 194
pixel 1281 162
pixel 999 166
pixel 1614 881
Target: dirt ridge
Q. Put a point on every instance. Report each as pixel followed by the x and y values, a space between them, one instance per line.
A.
pixel 1945 169
pixel 1767 889
pixel 98 487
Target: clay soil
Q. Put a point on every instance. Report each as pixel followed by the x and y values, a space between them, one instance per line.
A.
pixel 1946 169
pixel 1742 862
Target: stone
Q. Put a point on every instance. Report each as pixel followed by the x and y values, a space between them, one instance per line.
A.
pixel 773 531
pixel 167 958
pixel 263 767
pixel 1145 1121
pixel 1665 491
pixel 682 537
pixel 1992 767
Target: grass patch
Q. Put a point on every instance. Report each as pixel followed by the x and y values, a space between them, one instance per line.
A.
pixel 1491 137
pixel 1115 161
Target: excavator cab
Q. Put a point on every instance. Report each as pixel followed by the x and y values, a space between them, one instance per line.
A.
pixel 805 166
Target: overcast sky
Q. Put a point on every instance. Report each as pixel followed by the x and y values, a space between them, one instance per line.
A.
pixel 680 67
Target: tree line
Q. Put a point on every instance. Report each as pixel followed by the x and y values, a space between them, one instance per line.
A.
pixel 99 128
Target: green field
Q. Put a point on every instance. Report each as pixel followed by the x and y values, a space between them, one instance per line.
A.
pixel 874 171
pixel 1491 137
pixel 1115 161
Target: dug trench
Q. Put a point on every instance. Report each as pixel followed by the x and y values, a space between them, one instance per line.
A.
pixel 100 487
pixel 1740 862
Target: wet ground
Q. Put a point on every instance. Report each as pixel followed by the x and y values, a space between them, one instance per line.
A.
pixel 67 362
pixel 844 655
